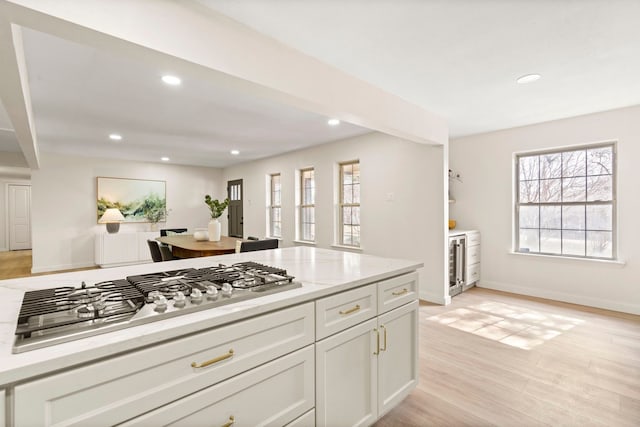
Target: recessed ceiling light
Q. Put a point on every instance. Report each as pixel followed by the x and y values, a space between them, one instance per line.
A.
pixel 171 80
pixel 115 137
pixel 235 152
pixel 165 159
pixel 333 122
pixel 528 78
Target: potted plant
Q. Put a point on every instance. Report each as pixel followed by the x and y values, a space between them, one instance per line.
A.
pixel 217 208
pixel 154 210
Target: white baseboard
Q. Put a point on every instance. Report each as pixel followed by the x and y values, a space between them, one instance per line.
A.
pixel 561 296
pixel 56 268
pixel 436 299
pixel 4 249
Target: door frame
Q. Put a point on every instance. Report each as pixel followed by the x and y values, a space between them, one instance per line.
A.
pixel 7 213
pixel 231 182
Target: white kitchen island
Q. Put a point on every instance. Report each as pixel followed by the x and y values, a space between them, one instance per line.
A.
pixel 341 349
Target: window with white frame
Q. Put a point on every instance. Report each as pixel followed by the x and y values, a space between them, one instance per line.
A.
pixel 275 208
pixel 307 220
pixel 566 202
pixel 350 203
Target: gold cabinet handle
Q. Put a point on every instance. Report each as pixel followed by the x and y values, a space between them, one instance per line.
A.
pixel 351 310
pixel 384 338
pixel 377 341
pixel 212 361
pixel 402 292
pixel 230 422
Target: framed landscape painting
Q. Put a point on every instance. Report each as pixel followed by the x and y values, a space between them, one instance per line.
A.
pixel 139 200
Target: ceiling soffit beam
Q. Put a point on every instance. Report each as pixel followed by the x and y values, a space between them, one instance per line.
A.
pixel 14 91
pixel 214 42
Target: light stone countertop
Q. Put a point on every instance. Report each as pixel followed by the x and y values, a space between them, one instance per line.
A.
pixel 321 272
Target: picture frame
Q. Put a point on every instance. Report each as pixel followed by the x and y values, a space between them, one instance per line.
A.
pixel 139 200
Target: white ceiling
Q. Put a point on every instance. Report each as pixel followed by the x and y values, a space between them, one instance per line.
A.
pixel 460 58
pixel 456 58
pixel 80 95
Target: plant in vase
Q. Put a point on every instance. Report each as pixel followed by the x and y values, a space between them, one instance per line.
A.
pixel 154 210
pixel 216 207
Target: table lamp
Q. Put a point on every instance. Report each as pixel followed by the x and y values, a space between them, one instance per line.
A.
pixel 112 217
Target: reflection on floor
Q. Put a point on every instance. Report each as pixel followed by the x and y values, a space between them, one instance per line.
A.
pixel 509 324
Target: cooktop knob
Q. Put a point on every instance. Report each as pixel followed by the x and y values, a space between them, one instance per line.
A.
pixel 212 293
pixel 161 303
pixel 227 289
pixel 179 300
pixel 196 296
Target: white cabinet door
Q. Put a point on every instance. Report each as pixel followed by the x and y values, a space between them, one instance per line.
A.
pixel 346 377
pixel 2 414
pixel 398 357
pixel 270 395
pixel 117 248
pixel 120 247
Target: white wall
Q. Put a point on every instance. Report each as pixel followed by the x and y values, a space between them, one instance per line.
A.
pixel 484 202
pixel 411 226
pixel 64 204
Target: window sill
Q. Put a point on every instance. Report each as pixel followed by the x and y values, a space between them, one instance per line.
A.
pixel 279 239
pixel 304 242
pixel 350 248
pixel 569 258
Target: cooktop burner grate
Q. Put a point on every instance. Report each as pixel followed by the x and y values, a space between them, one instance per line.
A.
pixel 68 313
pixel 58 307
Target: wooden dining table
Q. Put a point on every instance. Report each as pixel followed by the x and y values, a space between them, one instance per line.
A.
pixel 186 246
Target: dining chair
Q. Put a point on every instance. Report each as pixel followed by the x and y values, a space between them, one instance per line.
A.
pixel 258 245
pixel 159 252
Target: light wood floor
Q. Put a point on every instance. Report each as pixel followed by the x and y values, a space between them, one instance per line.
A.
pixel 497 359
pixel 15 264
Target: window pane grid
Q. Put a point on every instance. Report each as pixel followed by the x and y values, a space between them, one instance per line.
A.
pixel 275 209
pixel 350 203
pixel 307 205
pixel 566 202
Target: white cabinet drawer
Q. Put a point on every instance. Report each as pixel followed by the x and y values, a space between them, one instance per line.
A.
pixel 473 255
pixel 397 291
pixel 270 395
pixel 122 387
pixel 345 309
pixel 473 273
pixel 307 420
pixel 473 238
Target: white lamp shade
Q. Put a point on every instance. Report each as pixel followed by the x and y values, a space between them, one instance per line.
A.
pixel 111 215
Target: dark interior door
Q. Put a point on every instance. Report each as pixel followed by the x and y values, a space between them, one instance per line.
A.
pixel 234 192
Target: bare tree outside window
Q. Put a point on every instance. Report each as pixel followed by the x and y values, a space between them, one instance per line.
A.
pixel 350 203
pixel 566 202
pixel 275 208
pixel 307 205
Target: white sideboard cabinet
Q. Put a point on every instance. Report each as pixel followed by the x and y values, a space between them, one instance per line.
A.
pixel 123 248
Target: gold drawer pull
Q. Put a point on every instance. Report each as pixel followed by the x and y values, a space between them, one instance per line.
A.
pixel 402 292
pixel 212 361
pixel 230 422
pixel 351 310
pixel 385 338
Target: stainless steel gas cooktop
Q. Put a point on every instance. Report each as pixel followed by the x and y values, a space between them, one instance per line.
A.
pixel 52 316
